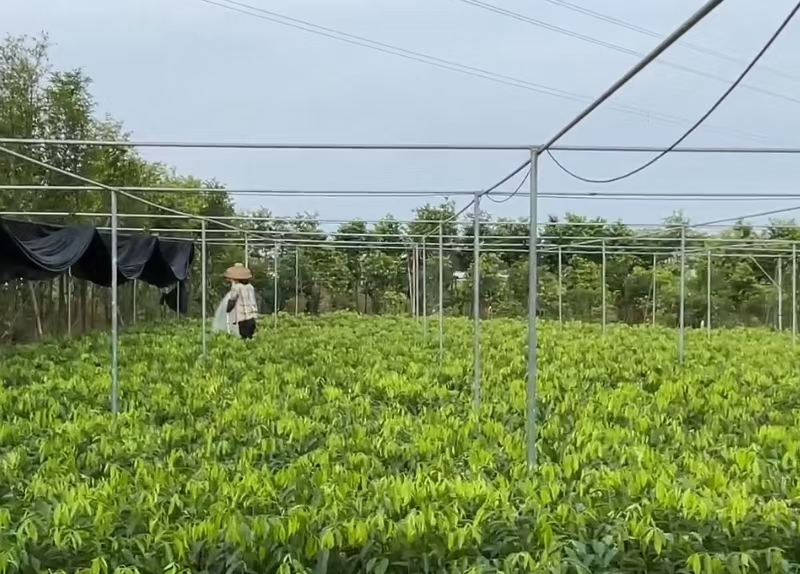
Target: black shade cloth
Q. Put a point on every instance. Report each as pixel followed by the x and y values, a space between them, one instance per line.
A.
pixel 37 251
pixel 170 299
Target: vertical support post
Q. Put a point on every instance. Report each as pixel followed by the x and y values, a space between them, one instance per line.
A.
pixel 135 310
pixel 275 286
pixel 794 293
pixel 603 279
pixel 655 263
pixel 476 303
pixel 114 306
pixel 560 287
pixel 246 250
pixel 414 282
pixel 708 293
pixel 682 314
pixel 533 288
pixel 296 281
pixel 69 301
pixel 203 288
pixel 780 293
pixel 424 289
pixel 441 296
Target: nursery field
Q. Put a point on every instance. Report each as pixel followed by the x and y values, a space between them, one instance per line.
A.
pixel 341 445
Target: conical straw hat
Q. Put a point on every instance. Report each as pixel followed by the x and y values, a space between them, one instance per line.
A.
pixel 238 272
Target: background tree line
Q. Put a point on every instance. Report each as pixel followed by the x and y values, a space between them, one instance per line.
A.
pixel 363 267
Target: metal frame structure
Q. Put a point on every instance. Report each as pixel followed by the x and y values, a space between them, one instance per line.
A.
pixel 534 152
pixel 586 245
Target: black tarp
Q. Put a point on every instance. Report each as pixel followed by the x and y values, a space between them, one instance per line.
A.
pixel 37 251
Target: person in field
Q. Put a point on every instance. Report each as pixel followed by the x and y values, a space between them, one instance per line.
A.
pixel 242 306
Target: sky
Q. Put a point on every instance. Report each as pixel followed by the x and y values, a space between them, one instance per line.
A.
pixel 185 70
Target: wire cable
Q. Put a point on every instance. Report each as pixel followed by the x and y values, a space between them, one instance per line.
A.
pixel 621 49
pixel 653 34
pixel 699 122
pixel 263 14
pixel 513 193
pixel 517 192
pixel 748 216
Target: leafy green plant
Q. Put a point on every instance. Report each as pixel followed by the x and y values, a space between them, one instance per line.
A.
pixel 340 444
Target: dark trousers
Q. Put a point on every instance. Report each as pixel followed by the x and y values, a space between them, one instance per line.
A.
pixel 247 328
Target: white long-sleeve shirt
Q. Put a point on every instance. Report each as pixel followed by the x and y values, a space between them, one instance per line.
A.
pixel 246 306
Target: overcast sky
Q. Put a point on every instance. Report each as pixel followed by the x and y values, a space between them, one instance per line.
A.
pixel 186 70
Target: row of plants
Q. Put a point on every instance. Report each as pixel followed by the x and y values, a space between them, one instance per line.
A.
pixel 340 444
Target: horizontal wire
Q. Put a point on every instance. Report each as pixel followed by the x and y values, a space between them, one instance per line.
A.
pixel 261 13
pixel 653 34
pixel 580 194
pixel 421 147
pixel 622 49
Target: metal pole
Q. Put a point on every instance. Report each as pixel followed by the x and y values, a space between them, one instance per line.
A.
pixel 275 286
pixel 296 281
pixel 603 275
pixel 708 294
pixel 114 308
pixel 682 318
pixel 69 302
pixel 204 295
pixel 441 296
pixel 366 146
pixel 246 250
pixel 780 294
pixel 560 287
pixel 424 289
pixel 533 358
pixel 476 303
pixel 135 288
pixel 662 46
pixel 655 262
pixel 794 293
pixel 414 282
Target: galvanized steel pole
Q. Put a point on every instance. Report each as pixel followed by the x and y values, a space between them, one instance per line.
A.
pixel 682 317
pixel 794 293
pixel 533 358
pixel 560 287
pixel 204 294
pixel 69 301
pixel 708 294
pixel 246 250
pixel 780 294
pixel 655 263
pixel 114 307
pixel 441 296
pixel 275 286
pixel 424 289
pixel 296 281
pixel 476 304
pixel 414 283
pixel 603 279
pixel 135 289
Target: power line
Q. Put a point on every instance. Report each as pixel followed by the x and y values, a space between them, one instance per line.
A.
pixel 263 14
pixel 699 122
pixel 653 34
pixel 618 48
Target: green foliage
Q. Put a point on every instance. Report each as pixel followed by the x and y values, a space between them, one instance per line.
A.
pixel 332 273
pixel 341 445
